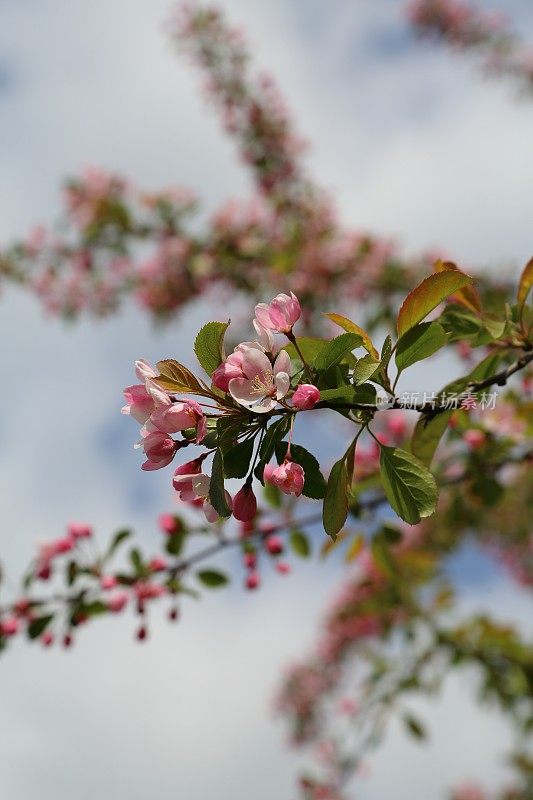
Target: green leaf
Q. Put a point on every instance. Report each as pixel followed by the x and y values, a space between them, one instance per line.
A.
pixel 310 348
pixel 228 428
pixel 428 295
pixel 351 327
pixel 94 609
pixel 136 560
pixel 209 345
pixel 365 368
pixel 299 543
pixel 334 352
pixel 272 495
pixel 174 543
pixel 343 394
pixel 427 434
pixel 212 578
pixel 460 323
pixel 335 508
pixel 418 343
pixel 72 572
pixel 39 625
pixel 274 434
pixel 118 538
pixel 314 483
pixel 174 377
pixel 410 487
pixel 524 287
pixel 217 496
pixel 494 325
pixel 237 459
pixel 414 727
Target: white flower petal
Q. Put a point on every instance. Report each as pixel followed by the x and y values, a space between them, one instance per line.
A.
pixel 282 363
pixel 282 384
pixel 254 363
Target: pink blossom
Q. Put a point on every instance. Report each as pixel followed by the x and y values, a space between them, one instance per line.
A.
pixel 144 370
pixel 474 438
pixel 47 639
pixel 108 582
pixel 280 315
pixel 9 626
pixel 168 523
pixel 139 403
pixel 305 397
pixel 230 368
pixel 283 568
pixel 289 477
pixel 79 530
pixel 183 479
pixel 157 564
pixel 245 504
pixel 172 417
pixel 117 602
pixel 148 591
pixel 160 449
pixel 274 545
pixel 263 383
pixel 252 581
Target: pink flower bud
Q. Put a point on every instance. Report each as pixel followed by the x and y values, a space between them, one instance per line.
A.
pixel 117 602
pixel 157 564
pixel 160 449
pixel 231 368
pixel 305 397
pixel 142 633
pixel 176 417
pixel 283 568
pixel 183 478
pixel 279 315
pixel 108 582
pixel 139 403
pixel 274 545
pixel 253 581
pixel 169 524
pixel 474 438
pixel 250 560
pixel 79 530
pixel 9 626
pixel 47 639
pixel 245 504
pixel 289 477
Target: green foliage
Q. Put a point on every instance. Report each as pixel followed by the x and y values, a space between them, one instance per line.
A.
pixel 335 508
pixel 237 459
pixel 410 487
pixel 365 368
pixel 419 343
pixel 428 295
pixel 209 345
pixel 217 496
pixel 336 350
pixel 212 578
pixel 300 544
pixel 38 625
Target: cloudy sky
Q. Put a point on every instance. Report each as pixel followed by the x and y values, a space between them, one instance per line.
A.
pixel 411 142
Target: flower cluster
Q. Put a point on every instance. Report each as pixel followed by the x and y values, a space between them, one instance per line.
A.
pixel 258 377
pixel 465 26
